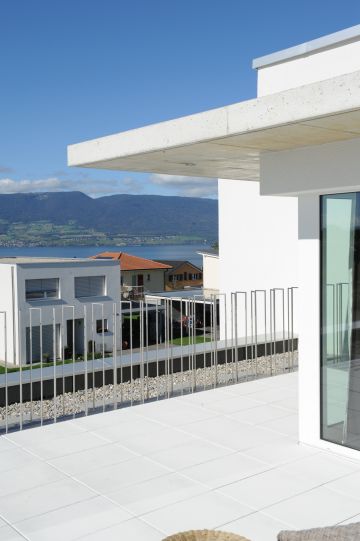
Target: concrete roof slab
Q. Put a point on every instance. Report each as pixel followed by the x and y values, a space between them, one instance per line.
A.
pixel 228 142
pixel 346 122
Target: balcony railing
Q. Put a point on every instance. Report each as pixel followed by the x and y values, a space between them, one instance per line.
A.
pixel 132 293
pixel 55 364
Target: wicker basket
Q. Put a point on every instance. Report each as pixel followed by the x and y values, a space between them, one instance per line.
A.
pixel 205 535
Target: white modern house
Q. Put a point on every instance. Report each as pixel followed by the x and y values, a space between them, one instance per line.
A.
pixel 45 303
pixel 296 143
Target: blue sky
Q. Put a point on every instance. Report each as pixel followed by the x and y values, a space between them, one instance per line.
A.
pixel 78 69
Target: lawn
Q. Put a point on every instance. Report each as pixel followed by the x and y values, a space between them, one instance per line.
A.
pixel 46 365
pixel 187 340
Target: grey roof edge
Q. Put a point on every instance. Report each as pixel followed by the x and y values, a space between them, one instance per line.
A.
pixel 22 262
pixel 325 42
pixel 208 252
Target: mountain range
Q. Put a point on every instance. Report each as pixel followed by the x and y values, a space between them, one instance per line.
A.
pixel 126 215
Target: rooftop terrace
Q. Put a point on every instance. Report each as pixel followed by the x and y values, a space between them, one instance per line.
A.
pixel 226 458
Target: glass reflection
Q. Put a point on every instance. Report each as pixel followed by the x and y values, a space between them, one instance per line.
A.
pixel 340 321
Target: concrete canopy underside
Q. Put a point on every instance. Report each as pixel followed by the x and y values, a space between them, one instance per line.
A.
pixel 228 142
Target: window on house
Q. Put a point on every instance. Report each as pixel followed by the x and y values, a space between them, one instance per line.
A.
pixel 44 288
pixel 89 286
pixel 102 325
pixel 148 278
pixel 185 276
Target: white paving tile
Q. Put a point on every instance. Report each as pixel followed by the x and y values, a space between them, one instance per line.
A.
pixel 273 394
pixel 315 508
pixel 7 533
pixel 195 451
pixel 227 469
pixel 281 452
pixel 42 499
pixel 73 521
pixel 126 427
pixel 259 414
pixel 351 520
pixel 266 488
pixel 157 493
pixel 287 425
pixel 257 527
pixel 348 485
pixel 6 444
pixel 235 447
pixel 91 422
pixel 44 433
pixel 15 458
pixel 131 530
pixel 320 468
pixel 165 438
pixel 232 404
pixel 33 474
pixel 66 445
pixel 205 511
pixel 282 380
pixel 202 398
pixel 118 476
pixel 90 459
pixel 290 403
pixel 230 433
pixel 246 388
pixel 175 413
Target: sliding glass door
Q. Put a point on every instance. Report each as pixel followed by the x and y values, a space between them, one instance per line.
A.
pixel 340 319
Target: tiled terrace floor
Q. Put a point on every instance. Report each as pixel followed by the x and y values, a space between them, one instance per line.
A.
pixel 225 458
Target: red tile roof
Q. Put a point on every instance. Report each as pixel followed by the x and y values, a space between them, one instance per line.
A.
pixel 132 262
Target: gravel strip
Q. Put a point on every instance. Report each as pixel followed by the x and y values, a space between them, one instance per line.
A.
pixel 151 388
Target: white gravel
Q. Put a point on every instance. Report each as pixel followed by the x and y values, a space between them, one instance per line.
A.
pixel 147 388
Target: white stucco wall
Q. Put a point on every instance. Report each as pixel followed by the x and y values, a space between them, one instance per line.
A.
pixel 258 239
pixel 309 68
pixel 327 168
pixel 310 172
pixel 211 266
pixel 309 319
pixel 8 316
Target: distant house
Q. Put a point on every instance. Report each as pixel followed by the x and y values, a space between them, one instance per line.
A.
pixel 181 274
pixel 49 306
pixel 138 275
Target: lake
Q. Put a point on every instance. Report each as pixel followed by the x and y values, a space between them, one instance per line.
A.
pixel 186 252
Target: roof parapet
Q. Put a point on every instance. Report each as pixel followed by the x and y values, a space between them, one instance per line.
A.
pixel 325 42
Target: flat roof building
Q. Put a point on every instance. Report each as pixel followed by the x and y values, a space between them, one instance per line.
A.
pixel 299 141
pixel 49 305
